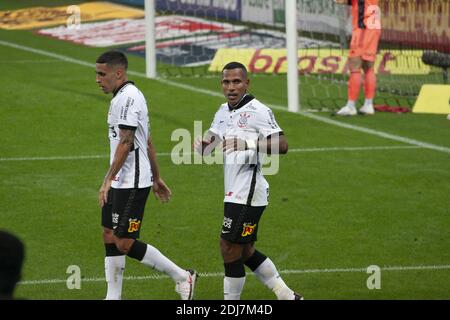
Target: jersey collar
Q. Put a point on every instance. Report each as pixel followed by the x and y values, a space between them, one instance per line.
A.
pixel 121 86
pixel 244 100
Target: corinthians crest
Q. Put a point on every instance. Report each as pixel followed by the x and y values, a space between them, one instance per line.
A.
pixel 242 122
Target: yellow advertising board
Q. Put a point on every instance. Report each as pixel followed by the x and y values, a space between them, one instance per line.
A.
pixel 433 98
pixel 331 61
pixel 38 17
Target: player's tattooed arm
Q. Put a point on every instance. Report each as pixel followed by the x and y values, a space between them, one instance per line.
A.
pixel 125 145
pixel 127 137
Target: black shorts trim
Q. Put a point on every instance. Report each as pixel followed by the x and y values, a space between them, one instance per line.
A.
pixel 240 222
pixel 124 211
pixel 251 192
pixel 125 127
pixel 136 168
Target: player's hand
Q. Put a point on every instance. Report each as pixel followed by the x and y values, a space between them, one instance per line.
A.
pixel 103 192
pixel 233 144
pixel 199 145
pixel 161 190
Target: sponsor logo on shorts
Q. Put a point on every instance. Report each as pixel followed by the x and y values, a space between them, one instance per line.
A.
pixel 248 229
pixel 227 222
pixel 134 225
pixel 115 218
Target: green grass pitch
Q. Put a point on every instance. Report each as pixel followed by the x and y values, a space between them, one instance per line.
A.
pixel 343 199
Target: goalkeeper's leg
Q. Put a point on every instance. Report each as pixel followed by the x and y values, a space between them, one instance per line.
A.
pixel 370 82
pixel 354 85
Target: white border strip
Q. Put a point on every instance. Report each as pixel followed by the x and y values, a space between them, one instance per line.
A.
pixel 216 94
pixel 221 274
pixel 166 154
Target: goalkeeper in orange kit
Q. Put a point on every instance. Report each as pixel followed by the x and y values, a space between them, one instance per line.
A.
pixel 363 49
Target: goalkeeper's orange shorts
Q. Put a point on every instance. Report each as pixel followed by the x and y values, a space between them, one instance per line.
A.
pixel 364 43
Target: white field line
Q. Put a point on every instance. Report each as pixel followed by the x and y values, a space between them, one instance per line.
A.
pixel 221 274
pixel 166 154
pixel 217 94
pixel 29 61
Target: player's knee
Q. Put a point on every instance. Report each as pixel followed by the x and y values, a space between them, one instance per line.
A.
pixel 108 235
pixel 230 251
pixel 249 250
pixel 225 245
pixel 355 64
pixel 123 245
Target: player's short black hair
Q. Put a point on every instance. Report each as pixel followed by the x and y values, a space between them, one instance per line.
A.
pixel 12 254
pixel 235 65
pixel 113 58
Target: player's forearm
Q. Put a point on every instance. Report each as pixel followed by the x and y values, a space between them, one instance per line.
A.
pixel 276 144
pixel 208 144
pixel 152 157
pixel 119 159
pixel 120 156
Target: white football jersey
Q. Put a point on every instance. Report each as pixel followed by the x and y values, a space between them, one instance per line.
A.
pixel 128 110
pixel 251 120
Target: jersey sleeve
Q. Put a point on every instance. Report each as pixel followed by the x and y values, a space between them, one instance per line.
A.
pixel 215 128
pixel 128 113
pixel 266 124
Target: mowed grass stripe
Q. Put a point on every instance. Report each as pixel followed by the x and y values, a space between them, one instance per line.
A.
pixel 221 274
pixel 216 94
pixel 166 154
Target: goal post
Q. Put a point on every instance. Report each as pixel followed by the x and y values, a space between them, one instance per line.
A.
pixel 292 56
pixel 150 39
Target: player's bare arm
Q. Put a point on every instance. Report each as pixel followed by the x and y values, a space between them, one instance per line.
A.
pixel 206 145
pixel 273 144
pixel 125 144
pixel 160 189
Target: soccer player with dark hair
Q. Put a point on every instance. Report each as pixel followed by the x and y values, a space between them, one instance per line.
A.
pixel 12 254
pixel 246 128
pixel 133 172
pixel 366 34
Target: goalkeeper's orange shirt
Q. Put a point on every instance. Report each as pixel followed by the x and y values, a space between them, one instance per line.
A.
pixel 366 14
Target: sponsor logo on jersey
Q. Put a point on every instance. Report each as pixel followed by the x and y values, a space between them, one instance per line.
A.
pixel 242 122
pixel 124 110
pixel 248 229
pixel 272 123
pixel 229 194
pixel 134 225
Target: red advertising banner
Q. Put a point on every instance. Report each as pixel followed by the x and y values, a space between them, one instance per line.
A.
pixel 423 24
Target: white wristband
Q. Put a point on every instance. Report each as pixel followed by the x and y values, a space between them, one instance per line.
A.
pixel 251 144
